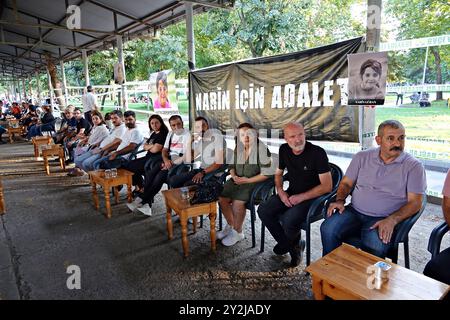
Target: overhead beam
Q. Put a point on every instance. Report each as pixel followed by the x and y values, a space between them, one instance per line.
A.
pixel 101 5
pixel 30 37
pixel 211 4
pixel 54 27
pixel 49 21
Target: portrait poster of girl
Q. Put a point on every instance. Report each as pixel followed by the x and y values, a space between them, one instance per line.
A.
pixel 367 78
pixel 164 90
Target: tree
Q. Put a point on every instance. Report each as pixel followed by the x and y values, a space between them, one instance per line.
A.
pixel 424 18
pixel 267 27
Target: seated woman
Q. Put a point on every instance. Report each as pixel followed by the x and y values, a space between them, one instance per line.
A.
pixel 97 134
pixel 245 173
pixel 46 123
pixel 153 146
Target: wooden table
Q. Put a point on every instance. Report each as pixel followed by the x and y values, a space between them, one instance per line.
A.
pixel 38 141
pixel 98 177
pixel 53 150
pixel 14 131
pixel 2 200
pixel 342 274
pixel 185 210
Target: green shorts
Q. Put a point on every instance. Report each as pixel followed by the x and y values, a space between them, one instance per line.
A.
pixel 234 191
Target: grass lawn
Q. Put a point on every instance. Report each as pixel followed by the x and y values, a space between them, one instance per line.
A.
pixel 427 129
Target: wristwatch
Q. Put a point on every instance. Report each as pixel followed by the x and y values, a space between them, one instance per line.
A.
pixel 203 172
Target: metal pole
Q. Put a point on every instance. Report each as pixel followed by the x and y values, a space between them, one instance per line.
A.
pixel 50 88
pixel 38 88
pixel 190 35
pixel 24 88
pixel 373 31
pixel 63 72
pixel 124 94
pixel 86 66
pixel 424 71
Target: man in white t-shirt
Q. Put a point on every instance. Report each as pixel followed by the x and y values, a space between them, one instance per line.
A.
pixel 177 149
pixel 129 141
pixel 89 101
pixel 111 142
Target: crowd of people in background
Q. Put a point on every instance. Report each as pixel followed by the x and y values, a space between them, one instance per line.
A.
pixel 386 184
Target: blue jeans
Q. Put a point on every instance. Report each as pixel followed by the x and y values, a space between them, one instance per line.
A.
pixel 88 160
pixel 78 160
pixel 339 227
pixel 105 163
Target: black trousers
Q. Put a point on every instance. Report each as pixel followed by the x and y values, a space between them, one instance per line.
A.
pixel 283 222
pixel 183 179
pixel 88 117
pixel 137 166
pixel 439 267
pixel 154 179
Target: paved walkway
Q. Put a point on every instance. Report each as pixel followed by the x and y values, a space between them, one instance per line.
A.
pixel 51 224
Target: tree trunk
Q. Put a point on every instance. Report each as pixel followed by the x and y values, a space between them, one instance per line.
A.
pixel 437 61
pixel 56 84
pixel 103 99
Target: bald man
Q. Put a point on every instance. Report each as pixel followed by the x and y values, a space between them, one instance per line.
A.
pixel 309 177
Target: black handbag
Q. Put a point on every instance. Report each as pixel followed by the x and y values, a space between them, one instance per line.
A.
pixel 207 191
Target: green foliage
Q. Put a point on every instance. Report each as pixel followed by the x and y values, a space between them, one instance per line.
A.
pixel 420 18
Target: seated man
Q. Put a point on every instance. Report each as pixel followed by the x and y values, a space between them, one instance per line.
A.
pixel 309 178
pixel 177 148
pixel 83 129
pixel 438 267
pixel 204 143
pixel 129 141
pixel 68 125
pixel 388 188
pixel 110 143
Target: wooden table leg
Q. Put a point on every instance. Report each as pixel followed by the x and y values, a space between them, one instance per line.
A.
pixel 61 160
pixel 194 224
pixel 184 233
pixel 169 222
pixel 317 288
pixel 2 201
pixel 116 194
pixel 95 195
pixel 10 137
pixel 46 165
pixel 107 202
pixel 36 150
pixel 212 219
pixel 129 194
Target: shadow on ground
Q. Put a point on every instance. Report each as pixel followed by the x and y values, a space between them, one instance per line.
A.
pixel 51 224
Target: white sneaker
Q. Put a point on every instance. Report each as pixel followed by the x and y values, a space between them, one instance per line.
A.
pixel 224 232
pixel 145 209
pixel 135 204
pixel 232 238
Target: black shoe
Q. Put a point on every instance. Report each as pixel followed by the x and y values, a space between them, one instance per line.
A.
pixel 296 256
pixel 279 250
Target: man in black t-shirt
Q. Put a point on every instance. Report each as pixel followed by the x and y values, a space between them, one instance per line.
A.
pixel 309 177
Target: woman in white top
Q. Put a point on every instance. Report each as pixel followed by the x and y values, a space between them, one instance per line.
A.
pixel 98 133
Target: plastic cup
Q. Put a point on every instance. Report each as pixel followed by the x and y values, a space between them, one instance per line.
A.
pixel 113 173
pixel 107 174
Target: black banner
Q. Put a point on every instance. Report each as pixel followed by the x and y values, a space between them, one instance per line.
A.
pixel 308 87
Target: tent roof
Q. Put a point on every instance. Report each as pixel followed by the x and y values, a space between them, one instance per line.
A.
pixel 31 29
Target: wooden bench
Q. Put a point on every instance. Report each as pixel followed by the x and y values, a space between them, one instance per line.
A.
pixel 98 177
pixel 185 210
pixel 53 150
pixel 40 141
pixel 342 275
